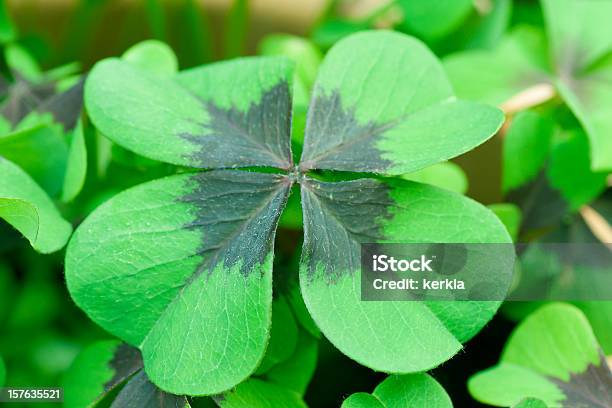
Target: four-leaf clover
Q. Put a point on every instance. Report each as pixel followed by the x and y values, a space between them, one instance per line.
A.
pixel 181 267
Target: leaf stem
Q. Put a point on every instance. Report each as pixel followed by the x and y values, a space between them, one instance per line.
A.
pixel 530 97
pixel 597 224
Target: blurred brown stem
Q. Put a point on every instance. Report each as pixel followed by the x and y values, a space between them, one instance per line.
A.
pixel 597 224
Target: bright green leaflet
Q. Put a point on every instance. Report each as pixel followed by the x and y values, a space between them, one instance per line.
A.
pixel 7 28
pixel 283 336
pixel 97 370
pixel 531 403
pixel 510 216
pixel 434 19
pixel 19 60
pixel 526 147
pixel 113 87
pixel 362 400
pixel 153 56
pixel 296 372
pixel 400 337
pixel 579 32
pixel 588 97
pixel 407 391
pixel 39 149
pixel 495 76
pixel 164 265
pixel 256 393
pixel 570 170
pixel 378 99
pixel 76 166
pixel 553 356
pixel 447 175
pixel 25 206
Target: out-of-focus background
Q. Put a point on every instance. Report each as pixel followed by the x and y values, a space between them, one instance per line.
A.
pixel 41 330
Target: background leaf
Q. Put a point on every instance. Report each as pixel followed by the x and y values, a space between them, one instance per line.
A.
pixel 76 165
pixel 97 371
pixel 409 391
pixel 553 356
pixel 25 206
pixel 260 394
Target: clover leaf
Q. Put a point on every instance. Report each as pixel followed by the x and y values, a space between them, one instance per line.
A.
pixel 515 74
pixel 410 391
pixel 27 207
pixel 552 356
pixel 106 366
pixel 181 267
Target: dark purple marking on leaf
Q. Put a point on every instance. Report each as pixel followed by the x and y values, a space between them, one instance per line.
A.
pixel 542 206
pixel 589 389
pixel 24 97
pixel 338 217
pixel 258 137
pixel 237 213
pixel 140 392
pixel 335 140
pixel 66 107
pixel 125 362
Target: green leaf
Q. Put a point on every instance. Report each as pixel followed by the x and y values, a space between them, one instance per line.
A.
pixel 526 148
pixel 579 32
pixel 40 150
pixel 445 175
pixel 496 76
pixel 260 394
pixel 415 390
pixel 152 56
pixel 8 33
pixel 390 336
pixel 180 265
pixel 236 28
pixel 362 400
pixel 434 19
pixel 98 370
pixel 588 96
pixel 507 384
pixel 283 336
pixel 570 171
pixel 211 126
pixel 360 118
pixel 334 29
pixel 20 61
pixel 140 392
pixel 553 356
pixel 76 166
pixel 25 206
pixel 531 403
pixel 408 391
pixel 510 216
pixel 296 372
